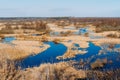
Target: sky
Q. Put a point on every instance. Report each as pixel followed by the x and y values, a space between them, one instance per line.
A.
pixel 59 8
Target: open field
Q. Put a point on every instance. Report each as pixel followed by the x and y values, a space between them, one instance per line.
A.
pixel 21 49
pixel 60 49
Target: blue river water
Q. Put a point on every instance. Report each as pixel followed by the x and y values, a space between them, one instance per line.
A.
pixel 8 39
pixel 49 55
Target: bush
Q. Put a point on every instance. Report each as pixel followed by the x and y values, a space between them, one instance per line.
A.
pixel 86 34
pixel 6 31
pixel 8 71
pixel 56 41
pixel 44 38
pixel 66 33
pixel 113 35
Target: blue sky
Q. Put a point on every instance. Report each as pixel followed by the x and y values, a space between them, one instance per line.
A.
pixel 53 8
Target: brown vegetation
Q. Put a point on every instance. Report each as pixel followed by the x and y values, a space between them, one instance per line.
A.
pixel 8 71
pixel 44 38
pixel 98 63
pixel 56 40
pixel 37 25
pixel 67 33
pixel 59 71
pixel 113 35
pixel 21 49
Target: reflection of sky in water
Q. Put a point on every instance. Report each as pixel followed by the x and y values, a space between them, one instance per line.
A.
pixel 54 33
pixel 81 31
pixel 59 33
pixel 8 39
pixel 110 55
pixel 49 56
pixel 96 37
pixel 70 28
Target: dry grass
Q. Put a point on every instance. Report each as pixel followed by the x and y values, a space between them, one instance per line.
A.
pixel 28 37
pixel 98 63
pixel 115 35
pixel 72 53
pixel 21 49
pixel 59 71
pixel 44 38
pixel 8 70
pixel 57 40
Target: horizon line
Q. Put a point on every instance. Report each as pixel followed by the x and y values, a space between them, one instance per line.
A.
pixel 60 17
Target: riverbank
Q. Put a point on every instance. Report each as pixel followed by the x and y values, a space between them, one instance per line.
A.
pixel 82 41
pixel 61 70
pixel 22 49
pixel 98 42
pixel 69 42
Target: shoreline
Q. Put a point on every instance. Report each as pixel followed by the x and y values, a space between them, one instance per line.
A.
pixel 83 43
pixel 22 49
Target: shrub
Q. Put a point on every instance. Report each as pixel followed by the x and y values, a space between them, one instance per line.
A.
pixel 113 35
pixel 6 31
pixel 56 40
pixel 44 38
pixel 8 71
